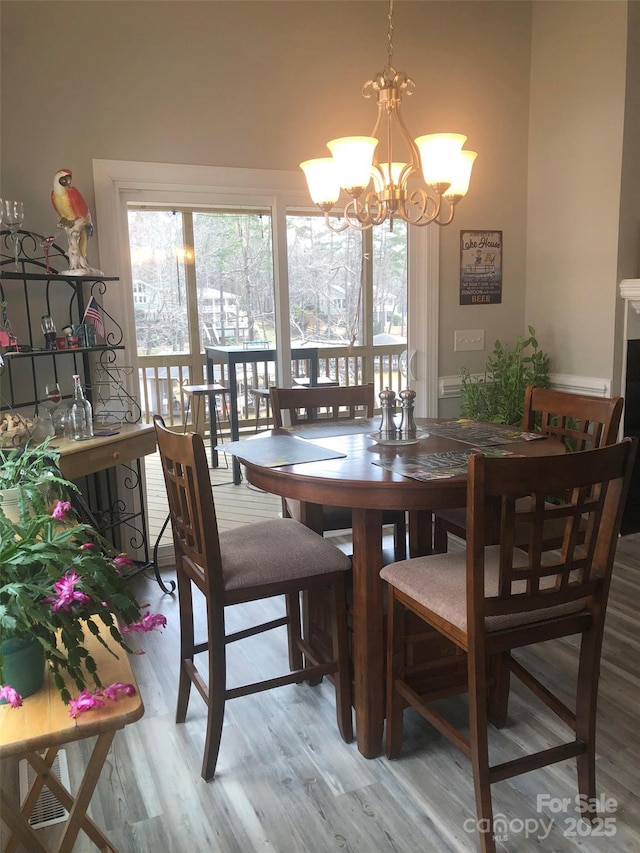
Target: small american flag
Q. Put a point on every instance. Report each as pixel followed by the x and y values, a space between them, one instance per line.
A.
pixel 93 315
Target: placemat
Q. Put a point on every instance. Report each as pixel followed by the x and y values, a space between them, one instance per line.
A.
pixel 341 426
pixel 481 435
pixel 275 450
pixel 436 466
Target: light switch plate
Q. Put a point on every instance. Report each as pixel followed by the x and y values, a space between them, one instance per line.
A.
pixel 468 339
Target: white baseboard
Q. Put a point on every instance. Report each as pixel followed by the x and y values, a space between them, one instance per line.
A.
pixel 451 386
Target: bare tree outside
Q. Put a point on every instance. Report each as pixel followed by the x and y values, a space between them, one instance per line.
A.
pixel 232 258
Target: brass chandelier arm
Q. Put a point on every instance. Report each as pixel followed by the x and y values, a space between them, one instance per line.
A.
pixel 452 213
pixel 419 209
pixel 332 223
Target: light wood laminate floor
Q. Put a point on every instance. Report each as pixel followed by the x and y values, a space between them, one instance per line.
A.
pixel 286 782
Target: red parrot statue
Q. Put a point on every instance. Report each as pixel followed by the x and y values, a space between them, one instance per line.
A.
pixel 75 216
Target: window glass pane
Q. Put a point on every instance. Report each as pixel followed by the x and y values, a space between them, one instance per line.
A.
pixel 324 282
pixel 390 284
pixel 158 259
pixel 234 277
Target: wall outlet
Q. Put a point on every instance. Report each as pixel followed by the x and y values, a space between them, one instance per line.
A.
pixel 468 339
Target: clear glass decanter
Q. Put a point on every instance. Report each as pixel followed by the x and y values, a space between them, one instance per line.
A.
pixel 42 426
pixel 80 414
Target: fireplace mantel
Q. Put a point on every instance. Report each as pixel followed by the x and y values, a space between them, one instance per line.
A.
pixel 630 292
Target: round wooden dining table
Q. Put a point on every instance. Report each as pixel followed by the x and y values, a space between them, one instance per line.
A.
pixel 355 481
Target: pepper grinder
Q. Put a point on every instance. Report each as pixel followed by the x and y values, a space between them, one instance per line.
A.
pixel 407 424
pixel 388 409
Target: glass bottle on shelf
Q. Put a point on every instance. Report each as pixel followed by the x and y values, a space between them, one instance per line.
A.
pixel 80 414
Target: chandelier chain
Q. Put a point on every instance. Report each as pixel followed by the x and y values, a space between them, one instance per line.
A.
pixel 390 37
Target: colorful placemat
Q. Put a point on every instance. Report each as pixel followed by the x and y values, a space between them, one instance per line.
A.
pixel 481 435
pixel 436 466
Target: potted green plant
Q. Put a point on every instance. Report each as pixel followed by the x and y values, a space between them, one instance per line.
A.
pixel 27 470
pixel 58 581
pixel 498 395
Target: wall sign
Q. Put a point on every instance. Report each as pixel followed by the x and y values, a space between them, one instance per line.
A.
pixel 480 267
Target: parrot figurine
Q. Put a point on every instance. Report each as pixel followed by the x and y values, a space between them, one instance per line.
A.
pixel 75 218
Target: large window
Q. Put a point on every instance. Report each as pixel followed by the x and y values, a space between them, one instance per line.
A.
pixel 206 277
pixel 334 276
pixel 200 278
pixel 234 277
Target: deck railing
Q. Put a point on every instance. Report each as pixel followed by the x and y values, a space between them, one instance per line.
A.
pixel 162 377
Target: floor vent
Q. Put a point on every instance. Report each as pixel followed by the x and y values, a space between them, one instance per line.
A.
pixel 47 810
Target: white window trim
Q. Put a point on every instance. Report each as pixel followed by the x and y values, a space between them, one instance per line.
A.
pixel 117 182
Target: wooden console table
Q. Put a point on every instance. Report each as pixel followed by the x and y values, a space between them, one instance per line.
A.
pixel 127 446
pixel 43 724
pixel 80 458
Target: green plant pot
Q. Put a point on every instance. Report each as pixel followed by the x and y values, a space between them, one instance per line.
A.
pixel 9 501
pixel 23 664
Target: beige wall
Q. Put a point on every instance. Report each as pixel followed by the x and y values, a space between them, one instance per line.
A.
pixel 578 73
pixel 265 84
pixel 629 246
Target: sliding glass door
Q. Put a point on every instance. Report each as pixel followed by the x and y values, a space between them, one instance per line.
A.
pixel 206 277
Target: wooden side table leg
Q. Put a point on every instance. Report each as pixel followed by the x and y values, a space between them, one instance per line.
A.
pixel 19 826
pixel 34 792
pixel 77 807
pixel 77 816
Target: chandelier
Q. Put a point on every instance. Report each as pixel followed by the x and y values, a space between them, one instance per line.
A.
pixel 437 159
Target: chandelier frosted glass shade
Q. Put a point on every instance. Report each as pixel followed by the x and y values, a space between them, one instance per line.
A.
pixel 382 179
pixel 353 158
pixel 439 153
pixel 462 175
pixel 322 180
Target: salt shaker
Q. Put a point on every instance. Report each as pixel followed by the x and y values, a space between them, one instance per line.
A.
pixel 388 409
pixel 407 424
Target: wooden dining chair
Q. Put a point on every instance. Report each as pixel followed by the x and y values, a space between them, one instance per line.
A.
pixel 326 405
pixel 336 401
pixel 250 563
pixel 493 599
pixel 580 421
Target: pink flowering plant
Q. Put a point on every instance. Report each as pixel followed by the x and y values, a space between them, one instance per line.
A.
pixel 59 580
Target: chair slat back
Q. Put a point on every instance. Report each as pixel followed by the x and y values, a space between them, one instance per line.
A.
pixel 593 484
pixel 303 405
pixel 580 421
pixel 191 507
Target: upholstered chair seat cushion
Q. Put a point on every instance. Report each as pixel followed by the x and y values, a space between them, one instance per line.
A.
pixel 439 584
pixel 274 551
